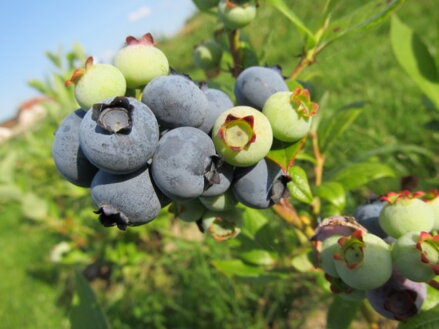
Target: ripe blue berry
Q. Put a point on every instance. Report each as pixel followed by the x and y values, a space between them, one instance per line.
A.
pixel 119 135
pixel 126 200
pixel 181 162
pixel 67 154
pixel 176 101
pixel 256 84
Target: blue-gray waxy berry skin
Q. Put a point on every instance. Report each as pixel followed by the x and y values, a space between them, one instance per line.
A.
pixel 180 162
pixel 255 84
pixel 368 214
pixel 133 196
pixel 67 154
pixel 176 101
pixel 225 172
pixel 252 186
pixel 121 153
pixel 218 102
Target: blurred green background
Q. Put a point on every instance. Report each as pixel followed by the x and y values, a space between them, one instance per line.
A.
pixel 162 275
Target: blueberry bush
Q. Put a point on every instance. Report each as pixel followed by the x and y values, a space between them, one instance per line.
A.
pixel 265 160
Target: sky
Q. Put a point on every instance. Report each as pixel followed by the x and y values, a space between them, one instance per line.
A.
pixel 30 28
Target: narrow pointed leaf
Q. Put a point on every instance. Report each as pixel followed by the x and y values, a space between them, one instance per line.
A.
pixel 334 193
pixel 341 313
pixel 289 13
pixel 359 174
pixel 365 17
pixel 424 320
pixel 414 57
pixel 299 186
pixel 284 154
pixel 86 312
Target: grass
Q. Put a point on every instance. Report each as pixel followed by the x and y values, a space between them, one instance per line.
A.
pixel 28 300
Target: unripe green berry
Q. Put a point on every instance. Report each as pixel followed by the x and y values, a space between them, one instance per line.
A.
pixel 222 202
pixel 364 261
pixel 290 114
pixel 431 198
pixel 236 14
pixel 242 136
pixel 207 56
pixel 329 247
pixel 140 61
pixel 188 211
pixel 404 213
pixel 222 225
pixel 96 82
pixel 416 256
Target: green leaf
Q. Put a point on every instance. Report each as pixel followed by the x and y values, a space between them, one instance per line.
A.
pixel 289 13
pixel 259 257
pixel 55 59
pixel 235 267
pixel 33 207
pixel 414 57
pixel 333 127
pixel 86 312
pixel 284 154
pixel 9 192
pixel 7 167
pixel 302 262
pixel 41 87
pixel 341 313
pixel 299 186
pixel 334 193
pixel 424 320
pixel 364 17
pixel 254 220
pixel 359 174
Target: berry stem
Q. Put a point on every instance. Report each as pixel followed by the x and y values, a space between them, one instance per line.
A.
pixel 234 42
pixel 318 169
pixel 434 284
pixel 370 315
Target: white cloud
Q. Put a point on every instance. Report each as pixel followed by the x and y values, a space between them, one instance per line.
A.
pixel 140 13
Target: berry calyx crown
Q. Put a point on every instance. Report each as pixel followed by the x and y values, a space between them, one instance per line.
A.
pixel 78 73
pixel 352 250
pixel 394 197
pixel 428 245
pixel 300 100
pixel 237 132
pixel 146 40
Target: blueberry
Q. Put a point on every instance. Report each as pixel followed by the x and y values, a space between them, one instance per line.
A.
pixel 368 215
pixel 67 154
pixel 399 298
pixel 254 186
pixel 218 102
pixel 126 200
pixel 176 101
pixel 181 162
pixel 256 84
pixel 119 135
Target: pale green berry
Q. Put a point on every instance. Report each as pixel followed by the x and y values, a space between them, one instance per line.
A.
pixel 96 82
pixel 222 225
pixel 140 61
pixel 236 14
pixel 289 116
pixel 207 55
pixel 242 136
pixel 222 202
pixel 364 261
pixel 403 213
pixel 416 256
pixel 329 247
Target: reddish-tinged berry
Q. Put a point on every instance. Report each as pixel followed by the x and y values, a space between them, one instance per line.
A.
pixel 363 261
pixel 405 212
pixel 416 256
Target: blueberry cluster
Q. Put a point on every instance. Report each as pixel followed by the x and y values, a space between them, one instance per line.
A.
pixel 386 252
pixel 178 141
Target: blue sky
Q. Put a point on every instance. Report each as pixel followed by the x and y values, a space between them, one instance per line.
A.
pixel 30 28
